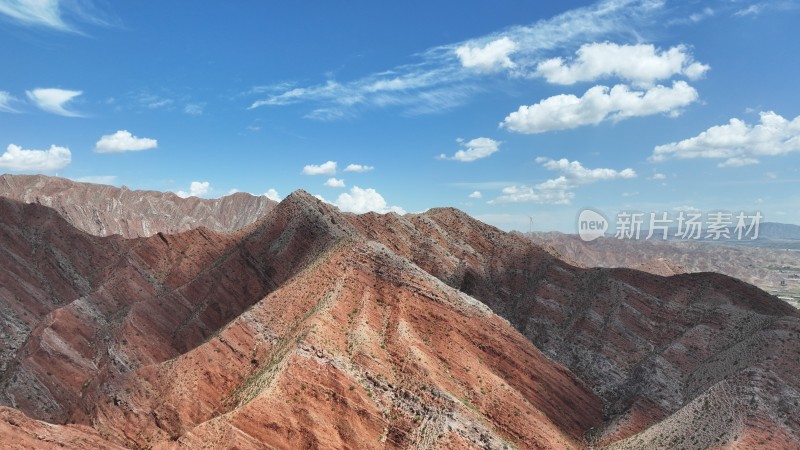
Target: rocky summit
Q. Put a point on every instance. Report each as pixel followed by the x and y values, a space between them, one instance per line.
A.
pixel 313 328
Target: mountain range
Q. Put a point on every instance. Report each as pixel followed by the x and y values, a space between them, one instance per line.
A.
pixel 313 328
pixel 773 268
pixel 104 210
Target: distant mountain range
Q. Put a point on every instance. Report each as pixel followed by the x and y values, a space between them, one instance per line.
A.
pixel 773 268
pixel 104 210
pixel 770 234
pixel 779 231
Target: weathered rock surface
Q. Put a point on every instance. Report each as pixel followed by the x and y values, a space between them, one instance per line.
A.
pixel 317 329
pixel 18 431
pixel 104 210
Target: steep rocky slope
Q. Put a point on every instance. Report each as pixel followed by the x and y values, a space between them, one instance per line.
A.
pixel 317 329
pixel 104 210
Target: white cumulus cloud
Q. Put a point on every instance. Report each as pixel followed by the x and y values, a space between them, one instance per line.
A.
pixel 559 191
pixel 18 159
pixel 476 194
pixel 737 143
pixel 334 182
pixel 327 168
pixel 358 168
pixel 54 100
pixel 123 141
pixel 360 201
pixel 475 149
pixel 490 58
pixel 272 194
pixel 196 189
pixel 640 64
pixel 599 103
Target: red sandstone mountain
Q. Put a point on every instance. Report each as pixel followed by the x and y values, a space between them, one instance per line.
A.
pixel 297 331
pixel 104 210
pixel 318 329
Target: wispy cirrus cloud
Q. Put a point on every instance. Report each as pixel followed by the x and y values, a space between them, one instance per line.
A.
pixel 194 109
pixel 448 76
pixel 758 8
pixel 54 100
pixel 751 10
pixel 152 101
pixel 59 15
pixel 5 102
pixel 35 12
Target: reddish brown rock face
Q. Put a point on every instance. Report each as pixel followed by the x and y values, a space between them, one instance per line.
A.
pixel 317 329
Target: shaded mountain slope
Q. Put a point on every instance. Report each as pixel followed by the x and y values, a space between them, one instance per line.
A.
pixel 104 210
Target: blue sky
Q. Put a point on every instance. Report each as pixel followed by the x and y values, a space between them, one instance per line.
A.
pixel 507 110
